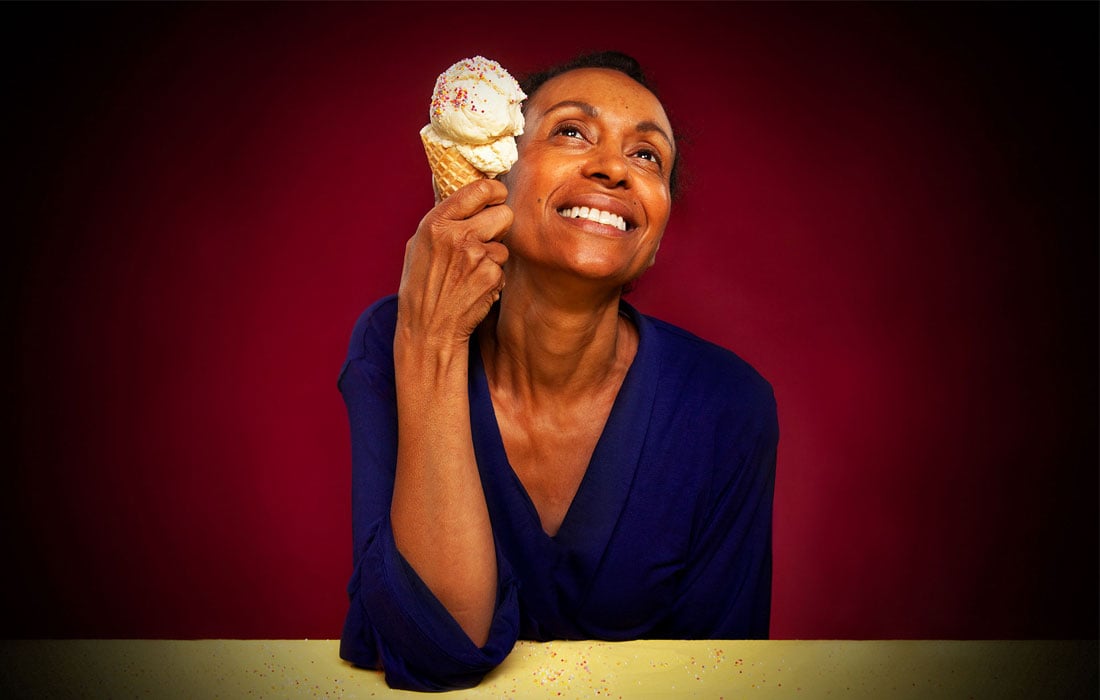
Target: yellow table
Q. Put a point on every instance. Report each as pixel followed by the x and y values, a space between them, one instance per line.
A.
pixel 643 669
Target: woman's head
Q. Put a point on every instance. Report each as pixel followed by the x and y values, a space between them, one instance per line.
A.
pixel 611 60
pixel 591 191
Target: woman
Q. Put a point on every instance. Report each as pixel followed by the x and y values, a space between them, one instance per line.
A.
pixel 537 459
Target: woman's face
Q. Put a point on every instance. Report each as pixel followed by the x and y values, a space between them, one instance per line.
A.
pixel 594 141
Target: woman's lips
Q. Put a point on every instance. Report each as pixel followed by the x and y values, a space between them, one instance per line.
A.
pixel 600 208
pixel 594 215
pixel 600 216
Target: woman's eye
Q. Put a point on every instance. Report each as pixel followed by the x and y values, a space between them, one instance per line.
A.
pixel 568 131
pixel 647 154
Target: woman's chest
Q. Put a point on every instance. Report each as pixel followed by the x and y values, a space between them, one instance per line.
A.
pixel 550 459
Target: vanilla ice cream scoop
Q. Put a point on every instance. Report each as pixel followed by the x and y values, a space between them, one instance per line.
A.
pixel 475 109
pixel 476 101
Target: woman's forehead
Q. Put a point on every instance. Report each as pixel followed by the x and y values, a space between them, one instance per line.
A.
pixel 603 89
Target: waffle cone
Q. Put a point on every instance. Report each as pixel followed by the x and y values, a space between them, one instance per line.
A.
pixel 449 169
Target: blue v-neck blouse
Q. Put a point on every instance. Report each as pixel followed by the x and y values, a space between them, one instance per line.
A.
pixel 668 536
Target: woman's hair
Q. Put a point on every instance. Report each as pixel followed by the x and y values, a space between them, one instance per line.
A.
pixel 613 60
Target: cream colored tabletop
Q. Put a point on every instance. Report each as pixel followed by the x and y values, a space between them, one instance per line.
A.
pixel 643 669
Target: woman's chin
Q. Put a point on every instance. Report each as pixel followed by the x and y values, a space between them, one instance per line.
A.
pixel 600 274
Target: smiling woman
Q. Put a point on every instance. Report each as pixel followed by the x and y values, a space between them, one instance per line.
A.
pixel 532 457
pixel 596 140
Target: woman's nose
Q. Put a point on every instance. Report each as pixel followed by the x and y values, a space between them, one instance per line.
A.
pixel 609 166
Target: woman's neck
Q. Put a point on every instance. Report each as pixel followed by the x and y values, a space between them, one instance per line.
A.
pixel 540 348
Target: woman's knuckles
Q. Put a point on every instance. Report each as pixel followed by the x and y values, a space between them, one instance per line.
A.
pixel 497 252
pixel 474 254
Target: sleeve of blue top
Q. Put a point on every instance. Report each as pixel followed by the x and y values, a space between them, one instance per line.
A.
pixel 394 622
pixel 726 589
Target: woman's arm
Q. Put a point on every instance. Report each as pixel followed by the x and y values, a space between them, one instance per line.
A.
pixel 440 522
pixel 394 622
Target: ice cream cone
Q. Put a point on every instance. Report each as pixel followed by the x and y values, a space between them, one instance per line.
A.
pixel 449 169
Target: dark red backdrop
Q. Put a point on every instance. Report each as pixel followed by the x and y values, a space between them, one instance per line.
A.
pixel 891 211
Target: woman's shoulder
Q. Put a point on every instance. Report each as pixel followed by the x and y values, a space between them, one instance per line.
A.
pixel 712 368
pixel 372 335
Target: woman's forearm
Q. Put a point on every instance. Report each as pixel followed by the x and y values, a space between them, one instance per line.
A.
pixel 439 517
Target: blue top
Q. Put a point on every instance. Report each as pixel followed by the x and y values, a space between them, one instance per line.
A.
pixel 668 536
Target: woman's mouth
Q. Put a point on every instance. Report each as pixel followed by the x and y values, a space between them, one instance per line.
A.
pixel 597 215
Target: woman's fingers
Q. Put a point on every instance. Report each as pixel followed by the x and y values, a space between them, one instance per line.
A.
pixel 497 252
pixel 492 223
pixel 454 263
pixel 475 213
pixel 472 199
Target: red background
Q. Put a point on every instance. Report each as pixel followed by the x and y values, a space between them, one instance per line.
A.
pixel 891 211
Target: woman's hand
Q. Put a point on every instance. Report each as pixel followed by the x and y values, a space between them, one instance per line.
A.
pixel 454 266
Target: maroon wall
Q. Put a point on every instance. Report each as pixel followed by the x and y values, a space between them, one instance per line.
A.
pixel 891 210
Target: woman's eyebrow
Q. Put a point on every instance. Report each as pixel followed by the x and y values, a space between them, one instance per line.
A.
pixel 582 106
pixel 653 126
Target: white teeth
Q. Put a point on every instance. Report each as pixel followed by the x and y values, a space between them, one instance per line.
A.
pixel 597 215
